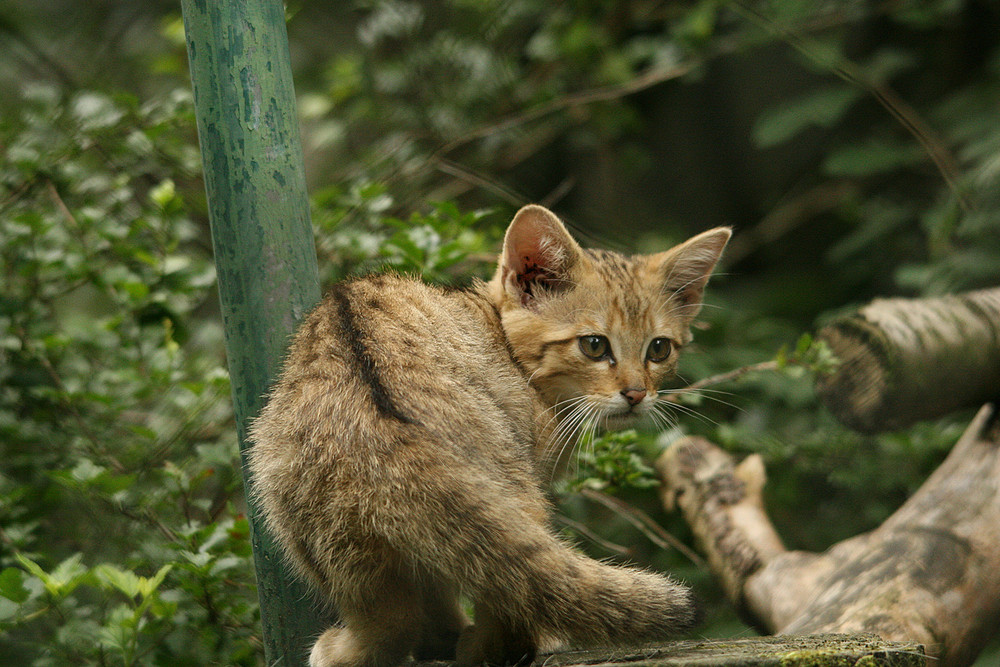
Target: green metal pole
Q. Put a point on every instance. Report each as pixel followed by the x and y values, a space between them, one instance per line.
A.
pixel 262 237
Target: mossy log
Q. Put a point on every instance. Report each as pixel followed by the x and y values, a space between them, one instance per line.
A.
pixel 929 574
pixel 812 651
pixel 904 360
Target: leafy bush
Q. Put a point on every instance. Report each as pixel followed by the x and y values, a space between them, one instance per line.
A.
pixel 120 498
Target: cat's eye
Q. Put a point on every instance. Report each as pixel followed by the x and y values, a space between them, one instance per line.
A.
pixel 595 347
pixel 659 349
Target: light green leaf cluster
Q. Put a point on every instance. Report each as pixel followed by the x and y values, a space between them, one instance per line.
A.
pixel 612 462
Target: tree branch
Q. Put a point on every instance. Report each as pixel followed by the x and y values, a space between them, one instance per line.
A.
pixel 928 574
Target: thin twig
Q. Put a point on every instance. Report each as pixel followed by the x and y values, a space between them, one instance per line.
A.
pixel 60 204
pixel 557 194
pixel 592 536
pixel 652 530
pixel 469 176
pixel 728 376
pixel 645 80
pixel 143 516
pixel 16 194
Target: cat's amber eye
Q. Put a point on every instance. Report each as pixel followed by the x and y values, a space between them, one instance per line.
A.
pixel 659 349
pixel 595 347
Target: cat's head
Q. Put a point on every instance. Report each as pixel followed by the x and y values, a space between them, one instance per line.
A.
pixel 598 332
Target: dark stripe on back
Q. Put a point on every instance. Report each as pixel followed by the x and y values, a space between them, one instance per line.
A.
pixel 363 362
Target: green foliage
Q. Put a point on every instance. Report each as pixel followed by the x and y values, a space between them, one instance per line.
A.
pixel 810 355
pixel 356 235
pixel 822 108
pixel 611 462
pixel 928 171
pixel 117 432
pixel 431 245
pixel 852 144
pixel 122 632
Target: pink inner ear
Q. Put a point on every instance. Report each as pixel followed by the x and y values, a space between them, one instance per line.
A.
pixel 529 263
pixel 531 274
pixel 524 248
pixel 537 252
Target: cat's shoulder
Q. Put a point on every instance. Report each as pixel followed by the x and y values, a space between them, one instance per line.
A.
pixel 376 290
pixel 398 296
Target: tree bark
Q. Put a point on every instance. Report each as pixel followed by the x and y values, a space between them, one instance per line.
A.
pixel 929 574
pixel 263 247
pixel 904 360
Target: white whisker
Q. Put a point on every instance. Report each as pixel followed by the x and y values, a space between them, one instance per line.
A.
pixel 679 407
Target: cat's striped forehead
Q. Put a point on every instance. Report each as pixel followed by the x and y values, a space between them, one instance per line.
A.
pixel 616 268
pixel 612 265
pixel 627 281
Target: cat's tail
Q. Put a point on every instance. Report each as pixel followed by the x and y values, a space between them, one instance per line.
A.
pixel 586 602
pixel 494 543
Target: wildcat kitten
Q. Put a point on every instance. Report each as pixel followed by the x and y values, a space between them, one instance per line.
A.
pixel 400 456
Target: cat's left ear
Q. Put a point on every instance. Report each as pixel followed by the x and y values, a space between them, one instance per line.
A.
pixel 538 255
pixel 687 268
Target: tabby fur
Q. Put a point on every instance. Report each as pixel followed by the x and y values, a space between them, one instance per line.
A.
pixel 401 457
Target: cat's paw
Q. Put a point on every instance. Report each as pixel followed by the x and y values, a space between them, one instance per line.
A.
pixel 334 648
pixel 340 647
pixel 480 646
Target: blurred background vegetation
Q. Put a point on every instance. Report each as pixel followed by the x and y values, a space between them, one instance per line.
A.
pixel 853 145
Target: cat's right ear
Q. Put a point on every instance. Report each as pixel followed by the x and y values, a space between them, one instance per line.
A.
pixel 538 255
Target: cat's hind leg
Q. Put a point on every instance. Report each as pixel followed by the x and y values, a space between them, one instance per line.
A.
pixel 444 622
pixel 380 629
pixel 491 641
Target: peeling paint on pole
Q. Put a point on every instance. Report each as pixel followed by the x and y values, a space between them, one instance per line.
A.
pixel 262 237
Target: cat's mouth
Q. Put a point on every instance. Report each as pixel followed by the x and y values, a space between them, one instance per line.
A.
pixel 623 418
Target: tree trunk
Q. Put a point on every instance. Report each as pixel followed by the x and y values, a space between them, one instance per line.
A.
pixel 264 250
pixel 929 574
pixel 905 360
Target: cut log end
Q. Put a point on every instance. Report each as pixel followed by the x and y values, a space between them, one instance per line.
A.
pixel 907 360
pixel 856 393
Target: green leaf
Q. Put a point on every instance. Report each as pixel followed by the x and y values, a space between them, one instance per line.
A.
pixel 95 111
pixel 781 357
pixel 148 586
pixel 163 193
pixel 802 346
pixel 12 585
pixel 821 108
pixel 32 567
pixel 63 579
pixel 119 631
pixel 125 581
pixel 874 157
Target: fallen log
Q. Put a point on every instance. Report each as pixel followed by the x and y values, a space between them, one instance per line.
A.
pixel 929 574
pixel 812 651
pixel 904 360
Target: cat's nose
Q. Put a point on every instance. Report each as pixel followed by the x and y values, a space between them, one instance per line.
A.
pixel 634 396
